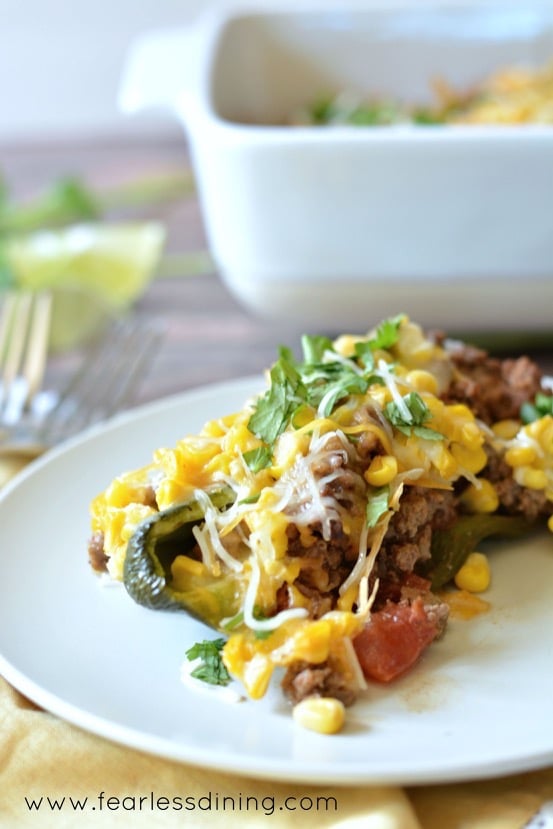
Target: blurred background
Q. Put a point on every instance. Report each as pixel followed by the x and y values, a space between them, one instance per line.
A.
pixel 61 60
pixel 61 64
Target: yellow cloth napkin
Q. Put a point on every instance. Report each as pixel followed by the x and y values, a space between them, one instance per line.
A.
pixel 52 774
pixel 43 757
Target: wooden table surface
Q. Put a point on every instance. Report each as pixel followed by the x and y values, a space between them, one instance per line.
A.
pixel 209 337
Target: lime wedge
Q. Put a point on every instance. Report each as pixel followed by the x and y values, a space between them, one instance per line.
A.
pixel 114 261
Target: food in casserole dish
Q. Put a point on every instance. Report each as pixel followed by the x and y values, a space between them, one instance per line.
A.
pixel 317 529
pixel 513 95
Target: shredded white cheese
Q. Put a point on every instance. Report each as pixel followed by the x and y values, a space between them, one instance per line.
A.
pixel 210 527
pixel 385 373
pixel 250 601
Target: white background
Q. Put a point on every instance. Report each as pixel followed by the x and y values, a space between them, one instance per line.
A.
pixel 60 63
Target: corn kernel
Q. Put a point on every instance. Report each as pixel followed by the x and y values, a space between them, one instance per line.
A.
pixel 481 498
pixel 422 381
pixel 531 478
pixel 475 574
pixel 520 455
pixel 325 715
pixel 471 436
pixel 506 429
pixel 473 460
pixel 545 436
pixel 550 523
pixel 538 427
pixel 345 344
pixel 382 469
pixel 459 410
pixel 444 462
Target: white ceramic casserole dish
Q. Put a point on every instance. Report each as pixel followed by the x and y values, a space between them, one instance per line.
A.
pixel 341 226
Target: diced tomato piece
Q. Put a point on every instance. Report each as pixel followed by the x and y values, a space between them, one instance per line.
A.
pixel 393 640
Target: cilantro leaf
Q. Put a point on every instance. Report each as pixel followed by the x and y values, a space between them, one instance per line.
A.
pixel 364 353
pixel 419 414
pixel 273 410
pixel 542 406
pixel 426 434
pixel 314 348
pixel 387 333
pixel 347 383
pixel 377 505
pixel 259 458
pixel 211 669
pixel 323 379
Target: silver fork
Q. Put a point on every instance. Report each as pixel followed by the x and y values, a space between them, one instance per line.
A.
pixel 104 383
pixel 24 335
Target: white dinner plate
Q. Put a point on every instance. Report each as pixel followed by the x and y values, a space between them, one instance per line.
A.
pixel 478 703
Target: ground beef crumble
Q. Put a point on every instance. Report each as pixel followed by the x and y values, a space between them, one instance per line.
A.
pixel 409 535
pixel 96 555
pixel 494 389
pixel 304 680
pixel 513 498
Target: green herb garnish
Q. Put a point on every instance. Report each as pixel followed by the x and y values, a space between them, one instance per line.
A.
pixel 211 669
pixel 320 380
pixel 274 410
pixel 412 420
pixel 542 406
pixel 259 458
pixel 387 333
pixel 377 505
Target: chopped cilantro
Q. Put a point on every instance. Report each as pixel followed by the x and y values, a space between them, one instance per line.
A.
pixel 377 505
pixel 314 348
pixel 273 410
pixel 339 382
pixel 387 333
pixel 542 406
pixel 259 458
pixel 364 352
pixel 211 668
pixel 419 414
pixel 321 380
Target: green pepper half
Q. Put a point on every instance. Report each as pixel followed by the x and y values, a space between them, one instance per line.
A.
pixel 450 548
pixel 156 542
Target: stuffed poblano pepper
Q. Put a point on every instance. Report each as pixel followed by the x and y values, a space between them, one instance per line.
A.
pixel 325 527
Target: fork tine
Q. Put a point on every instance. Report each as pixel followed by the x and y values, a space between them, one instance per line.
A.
pixel 24 335
pixel 106 381
pixel 119 383
pixel 37 351
pixel 5 324
pixel 15 321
